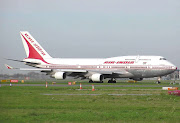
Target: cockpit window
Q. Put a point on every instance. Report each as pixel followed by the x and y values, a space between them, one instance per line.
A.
pixel 162 58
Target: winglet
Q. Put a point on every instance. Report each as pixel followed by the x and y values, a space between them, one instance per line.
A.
pixel 8 67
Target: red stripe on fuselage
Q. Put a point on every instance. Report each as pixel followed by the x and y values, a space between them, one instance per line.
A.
pixel 84 67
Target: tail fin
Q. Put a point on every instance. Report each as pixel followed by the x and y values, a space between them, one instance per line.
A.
pixel 32 47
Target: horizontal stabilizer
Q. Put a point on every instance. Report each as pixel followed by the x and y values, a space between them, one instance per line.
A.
pixel 28 69
pixel 33 63
pixel 8 67
pixel 15 60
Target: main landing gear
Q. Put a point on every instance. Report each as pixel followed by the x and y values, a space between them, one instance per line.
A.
pixel 112 81
pixel 90 81
pixel 109 81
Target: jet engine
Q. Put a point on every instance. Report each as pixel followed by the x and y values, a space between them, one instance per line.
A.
pixel 59 75
pixel 97 77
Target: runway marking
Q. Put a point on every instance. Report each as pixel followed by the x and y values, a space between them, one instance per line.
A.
pixel 132 94
pixel 74 94
pixel 85 86
pixel 101 94
pixel 63 85
pixel 119 89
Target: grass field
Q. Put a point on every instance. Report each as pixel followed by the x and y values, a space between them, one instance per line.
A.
pixel 69 104
pixel 121 82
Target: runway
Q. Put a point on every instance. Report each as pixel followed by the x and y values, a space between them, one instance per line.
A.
pixel 66 85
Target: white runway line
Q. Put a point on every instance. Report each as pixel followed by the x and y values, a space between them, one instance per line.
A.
pixel 74 94
pixel 101 94
pixel 120 89
pixel 63 85
pixel 130 94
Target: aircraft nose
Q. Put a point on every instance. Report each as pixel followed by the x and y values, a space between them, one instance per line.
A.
pixel 174 67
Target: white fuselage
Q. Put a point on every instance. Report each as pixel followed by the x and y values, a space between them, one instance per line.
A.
pixel 136 66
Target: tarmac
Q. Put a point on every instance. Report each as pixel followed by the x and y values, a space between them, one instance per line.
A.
pixel 63 85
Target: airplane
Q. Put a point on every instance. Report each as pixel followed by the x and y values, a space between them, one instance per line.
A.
pixel 96 70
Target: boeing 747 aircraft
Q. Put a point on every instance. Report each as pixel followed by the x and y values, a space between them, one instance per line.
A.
pixel 96 70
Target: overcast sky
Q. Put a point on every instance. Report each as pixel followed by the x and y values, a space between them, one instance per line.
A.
pixel 91 28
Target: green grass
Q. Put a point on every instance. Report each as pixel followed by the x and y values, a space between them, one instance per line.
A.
pixel 28 104
pixel 119 82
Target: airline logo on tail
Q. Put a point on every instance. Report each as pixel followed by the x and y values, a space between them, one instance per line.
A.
pixel 32 47
pixel 35 45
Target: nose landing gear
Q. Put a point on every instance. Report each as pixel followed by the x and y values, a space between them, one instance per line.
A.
pixel 158 80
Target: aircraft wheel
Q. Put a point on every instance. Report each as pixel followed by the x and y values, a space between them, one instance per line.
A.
pixel 90 81
pixel 114 81
pixel 110 81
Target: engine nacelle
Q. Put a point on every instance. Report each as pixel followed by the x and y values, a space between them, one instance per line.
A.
pixel 59 75
pixel 97 77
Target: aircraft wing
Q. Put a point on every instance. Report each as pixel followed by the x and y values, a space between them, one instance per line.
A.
pixel 83 74
pixel 73 70
pixel 44 70
pixel 68 70
pixel 107 74
pixel 122 72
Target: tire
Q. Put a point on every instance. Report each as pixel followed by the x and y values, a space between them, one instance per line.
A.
pixel 109 81
pixel 90 81
pixel 114 81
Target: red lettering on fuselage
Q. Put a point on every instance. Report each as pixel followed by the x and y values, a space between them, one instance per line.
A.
pixel 119 62
pixel 109 62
